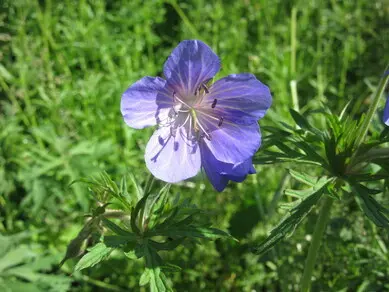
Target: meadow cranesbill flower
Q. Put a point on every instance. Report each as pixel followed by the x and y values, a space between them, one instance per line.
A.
pixel 385 116
pixel 199 125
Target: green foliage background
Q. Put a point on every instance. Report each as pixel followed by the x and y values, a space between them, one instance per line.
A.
pixel 63 68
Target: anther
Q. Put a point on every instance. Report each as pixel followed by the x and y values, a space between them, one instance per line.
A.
pixel 214 103
pixel 220 122
pixel 206 135
pixel 197 91
pixel 174 96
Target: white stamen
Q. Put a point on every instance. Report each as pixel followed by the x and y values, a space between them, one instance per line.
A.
pixel 204 131
pixel 175 96
pixel 208 115
pixel 187 119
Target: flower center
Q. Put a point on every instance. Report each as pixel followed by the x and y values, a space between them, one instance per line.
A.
pixel 193 114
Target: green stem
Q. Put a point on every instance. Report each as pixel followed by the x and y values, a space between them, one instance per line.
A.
pixel 184 18
pixel 373 108
pixel 320 228
pixel 293 45
pixel 278 194
pixel 87 279
pixel 293 25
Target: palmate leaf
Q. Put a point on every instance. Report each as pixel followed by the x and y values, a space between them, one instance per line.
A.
pixel 96 254
pixel 117 229
pixel 366 177
pixel 293 219
pixel 115 241
pixel 300 120
pixel 311 153
pixel 74 247
pixel 153 274
pixel 122 236
pixel 372 209
pixel 192 232
pixel 168 245
pixel 104 188
pixel 297 148
pixel 298 194
pixel 303 177
pixel 303 123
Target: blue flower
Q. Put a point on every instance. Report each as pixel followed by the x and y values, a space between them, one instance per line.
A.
pixel 213 127
pixel 385 116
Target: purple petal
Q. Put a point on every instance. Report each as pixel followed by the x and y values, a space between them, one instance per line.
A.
pixel 385 116
pixel 240 171
pixel 220 173
pixel 239 97
pixel 146 102
pixel 232 143
pixel 213 168
pixel 191 63
pixel 172 158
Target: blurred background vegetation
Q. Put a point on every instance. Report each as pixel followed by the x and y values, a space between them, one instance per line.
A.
pixel 63 68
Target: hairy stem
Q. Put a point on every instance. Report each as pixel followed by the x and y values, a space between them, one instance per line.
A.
pixel 320 228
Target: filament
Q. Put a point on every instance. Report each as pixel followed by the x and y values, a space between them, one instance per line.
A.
pixel 176 97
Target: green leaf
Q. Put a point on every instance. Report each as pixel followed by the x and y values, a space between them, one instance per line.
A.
pixel 95 255
pixel 271 157
pixel 287 150
pixel 369 177
pixel 154 206
pixel 118 240
pixel 16 285
pixel 300 120
pixel 74 247
pixel 118 230
pixel 303 177
pixel 311 153
pixel 191 232
pixel 276 130
pixel 291 221
pixel 138 189
pixel 299 194
pixel 15 257
pixel 6 242
pixel 372 209
pixel 168 245
pixel 5 73
pixel 145 278
pixel 136 253
pixel 157 279
pixel 170 268
pixel 135 212
pixel 385 133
